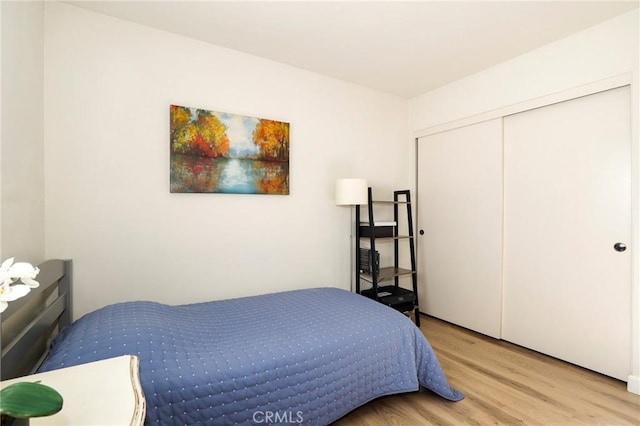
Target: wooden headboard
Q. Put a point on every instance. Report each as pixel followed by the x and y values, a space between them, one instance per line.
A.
pixel 29 324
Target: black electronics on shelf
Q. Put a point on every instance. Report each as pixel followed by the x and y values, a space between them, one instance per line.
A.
pixel 368 268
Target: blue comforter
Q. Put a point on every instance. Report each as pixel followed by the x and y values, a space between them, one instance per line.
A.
pixel 306 356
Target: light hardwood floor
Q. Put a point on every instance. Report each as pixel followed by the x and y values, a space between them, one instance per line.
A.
pixel 504 384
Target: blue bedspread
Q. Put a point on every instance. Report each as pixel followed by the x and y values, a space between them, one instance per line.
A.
pixel 306 356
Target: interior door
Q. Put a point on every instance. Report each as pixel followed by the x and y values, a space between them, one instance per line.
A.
pixel 460 226
pixel 567 193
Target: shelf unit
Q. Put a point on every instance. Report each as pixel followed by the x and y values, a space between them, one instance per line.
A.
pixel 374 275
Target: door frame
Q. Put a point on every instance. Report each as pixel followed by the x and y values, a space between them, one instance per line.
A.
pixel 631 79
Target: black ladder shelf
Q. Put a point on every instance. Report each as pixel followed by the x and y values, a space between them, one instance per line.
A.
pixel 368 267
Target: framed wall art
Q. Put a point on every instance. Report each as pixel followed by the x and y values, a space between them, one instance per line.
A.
pixel 217 152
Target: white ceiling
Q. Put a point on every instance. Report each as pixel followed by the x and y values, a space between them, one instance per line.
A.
pixel 402 48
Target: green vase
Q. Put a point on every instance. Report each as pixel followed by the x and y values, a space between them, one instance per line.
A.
pixel 23 400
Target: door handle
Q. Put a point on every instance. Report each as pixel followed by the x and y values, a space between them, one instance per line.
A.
pixel 620 247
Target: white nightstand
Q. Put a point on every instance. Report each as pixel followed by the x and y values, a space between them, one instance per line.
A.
pixel 104 392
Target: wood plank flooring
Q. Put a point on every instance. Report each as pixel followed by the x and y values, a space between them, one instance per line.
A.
pixel 504 384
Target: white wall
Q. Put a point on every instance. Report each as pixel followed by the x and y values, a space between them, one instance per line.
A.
pixel 604 51
pixel 108 87
pixel 21 135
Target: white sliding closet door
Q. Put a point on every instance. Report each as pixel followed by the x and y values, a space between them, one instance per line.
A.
pixel 460 226
pixel 567 291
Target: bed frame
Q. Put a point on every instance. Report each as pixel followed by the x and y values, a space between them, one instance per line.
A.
pixel 29 324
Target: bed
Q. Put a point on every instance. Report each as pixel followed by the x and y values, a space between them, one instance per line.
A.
pixel 307 356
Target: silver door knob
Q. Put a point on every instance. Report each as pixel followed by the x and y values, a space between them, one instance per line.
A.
pixel 620 247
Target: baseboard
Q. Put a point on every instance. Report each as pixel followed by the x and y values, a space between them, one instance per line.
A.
pixel 633 384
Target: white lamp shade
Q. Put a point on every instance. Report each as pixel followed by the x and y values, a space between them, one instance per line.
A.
pixel 350 192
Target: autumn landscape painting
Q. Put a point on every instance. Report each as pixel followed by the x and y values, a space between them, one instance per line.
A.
pixel 227 153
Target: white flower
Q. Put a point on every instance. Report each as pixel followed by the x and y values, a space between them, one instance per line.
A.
pixel 9 293
pixel 12 272
pixel 26 273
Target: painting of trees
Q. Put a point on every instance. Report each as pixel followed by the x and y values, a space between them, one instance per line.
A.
pixel 222 152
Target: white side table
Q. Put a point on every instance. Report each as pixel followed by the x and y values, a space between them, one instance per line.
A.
pixel 104 392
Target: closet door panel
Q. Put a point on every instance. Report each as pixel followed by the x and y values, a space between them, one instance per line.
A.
pixel 460 213
pixel 567 292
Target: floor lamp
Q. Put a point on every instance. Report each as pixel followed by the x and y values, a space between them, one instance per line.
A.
pixel 351 192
